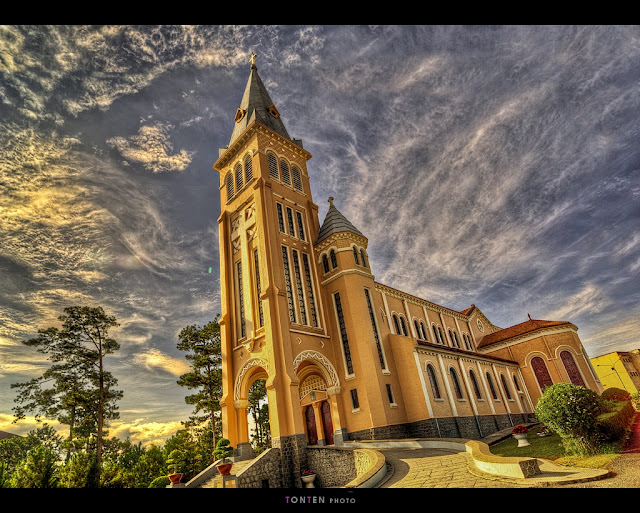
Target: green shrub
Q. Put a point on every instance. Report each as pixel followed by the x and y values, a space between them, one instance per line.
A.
pixel 613 425
pixel 615 394
pixel 571 411
pixel 160 482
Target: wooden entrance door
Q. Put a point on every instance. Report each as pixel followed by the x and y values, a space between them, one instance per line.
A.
pixel 312 431
pixel 327 424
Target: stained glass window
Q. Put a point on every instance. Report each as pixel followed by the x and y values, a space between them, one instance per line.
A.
pixel 241 301
pixel 375 328
pixel 296 272
pixel 541 372
pixel 312 303
pixel 258 288
pixel 343 333
pixel 456 383
pixel 571 368
pixel 491 387
pixel 300 226
pixel 505 386
pixel 433 381
pixel 287 281
pixel 474 383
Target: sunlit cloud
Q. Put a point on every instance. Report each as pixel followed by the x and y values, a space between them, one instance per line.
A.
pixel 143 431
pixel 152 149
pixel 153 359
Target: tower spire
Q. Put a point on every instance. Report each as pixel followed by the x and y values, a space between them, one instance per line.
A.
pixel 256 105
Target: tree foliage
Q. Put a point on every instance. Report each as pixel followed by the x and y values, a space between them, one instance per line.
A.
pixel 76 390
pixel 202 344
pixel 571 411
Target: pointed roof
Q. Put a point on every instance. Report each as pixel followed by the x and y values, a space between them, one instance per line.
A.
pixel 519 329
pixel 256 105
pixel 335 222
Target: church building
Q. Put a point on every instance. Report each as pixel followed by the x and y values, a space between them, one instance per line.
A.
pixel 345 357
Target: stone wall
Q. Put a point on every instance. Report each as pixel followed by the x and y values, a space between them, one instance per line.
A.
pixel 472 427
pixel 264 472
pixel 334 466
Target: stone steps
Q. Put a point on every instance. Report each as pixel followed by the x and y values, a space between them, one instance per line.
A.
pixel 216 481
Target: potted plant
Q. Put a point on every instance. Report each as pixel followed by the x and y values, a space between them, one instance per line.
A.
pixel 222 452
pixel 520 433
pixel 308 476
pixel 176 462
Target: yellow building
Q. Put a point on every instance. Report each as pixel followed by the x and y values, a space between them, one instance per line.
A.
pixel 619 369
pixel 345 357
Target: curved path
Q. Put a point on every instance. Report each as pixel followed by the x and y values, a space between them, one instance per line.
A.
pixel 436 468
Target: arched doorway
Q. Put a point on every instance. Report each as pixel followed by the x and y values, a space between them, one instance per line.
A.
pixel 312 431
pixel 327 423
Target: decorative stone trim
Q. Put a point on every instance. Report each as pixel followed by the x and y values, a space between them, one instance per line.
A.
pixel 319 357
pixel 249 364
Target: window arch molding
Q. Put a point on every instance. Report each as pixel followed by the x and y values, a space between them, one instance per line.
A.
pixel 571 367
pixel 455 381
pixel 400 324
pixel 432 374
pixel 475 385
pixel 537 362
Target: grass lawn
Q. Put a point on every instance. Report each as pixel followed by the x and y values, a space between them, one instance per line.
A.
pixel 550 448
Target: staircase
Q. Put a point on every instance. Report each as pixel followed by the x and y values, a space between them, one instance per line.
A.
pixel 216 481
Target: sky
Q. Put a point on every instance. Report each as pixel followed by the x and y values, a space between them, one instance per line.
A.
pixel 487 165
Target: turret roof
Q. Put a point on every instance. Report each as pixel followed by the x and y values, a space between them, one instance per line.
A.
pixel 335 222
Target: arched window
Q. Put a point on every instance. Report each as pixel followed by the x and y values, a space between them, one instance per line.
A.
pixel 571 368
pixel 396 324
pixel 456 383
pixel 355 255
pixel 474 384
pixel 229 186
pixel 424 331
pixel 433 381
pixel 435 333
pixel 273 166
pixel 248 169
pixel 284 172
pixel 364 260
pixel 334 261
pixel 505 386
pixel 442 341
pixel 297 180
pixel 491 387
pixel 238 177
pixel 541 372
pixel 417 326
pixel 455 336
pixel 404 327
pixel 515 382
pixel 325 264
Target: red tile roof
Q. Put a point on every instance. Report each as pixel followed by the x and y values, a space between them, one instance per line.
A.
pixel 519 329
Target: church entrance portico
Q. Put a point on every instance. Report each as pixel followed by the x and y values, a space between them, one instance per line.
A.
pixel 318 397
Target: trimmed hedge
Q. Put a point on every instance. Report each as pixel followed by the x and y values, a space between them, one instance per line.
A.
pixel 613 425
pixel 615 394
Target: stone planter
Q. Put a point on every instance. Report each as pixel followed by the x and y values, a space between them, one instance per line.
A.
pixel 308 480
pixel 522 439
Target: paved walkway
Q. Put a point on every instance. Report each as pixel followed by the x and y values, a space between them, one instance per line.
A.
pixel 440 468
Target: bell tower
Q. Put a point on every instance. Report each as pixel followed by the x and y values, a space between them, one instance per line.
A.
pixel 271 306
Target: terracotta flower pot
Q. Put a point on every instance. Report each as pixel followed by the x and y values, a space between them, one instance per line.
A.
pixel 175 478
pixel 224 468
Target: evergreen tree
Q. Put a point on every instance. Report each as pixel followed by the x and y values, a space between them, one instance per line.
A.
pixel 80 391
pixel 205 377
